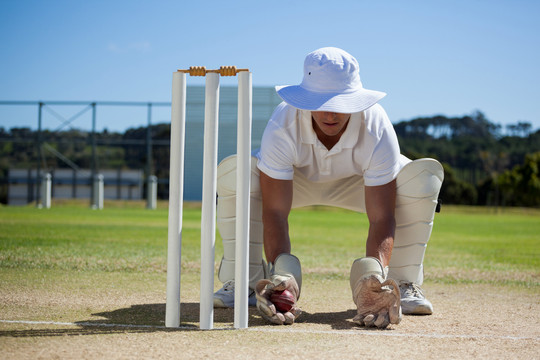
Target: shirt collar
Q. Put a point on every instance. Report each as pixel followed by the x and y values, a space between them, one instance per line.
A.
pixel 307 134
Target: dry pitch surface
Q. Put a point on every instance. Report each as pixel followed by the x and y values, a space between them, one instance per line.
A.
pixel 59 321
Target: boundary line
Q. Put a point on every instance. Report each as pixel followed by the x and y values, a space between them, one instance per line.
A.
pixel 280 330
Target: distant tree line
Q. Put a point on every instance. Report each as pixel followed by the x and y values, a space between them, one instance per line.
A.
pixel 484 164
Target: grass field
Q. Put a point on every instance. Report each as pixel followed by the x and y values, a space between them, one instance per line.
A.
pixel 133 239
pixel 75 265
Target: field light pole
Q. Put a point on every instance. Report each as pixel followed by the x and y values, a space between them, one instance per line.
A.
pixel 40 155
pixel 151 180
pixel 93 194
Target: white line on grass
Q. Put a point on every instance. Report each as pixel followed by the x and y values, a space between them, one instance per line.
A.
pixel 281 330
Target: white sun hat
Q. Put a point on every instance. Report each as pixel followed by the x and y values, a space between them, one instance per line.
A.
pixel 331 83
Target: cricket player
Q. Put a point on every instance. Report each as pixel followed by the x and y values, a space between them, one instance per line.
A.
pixel 330 143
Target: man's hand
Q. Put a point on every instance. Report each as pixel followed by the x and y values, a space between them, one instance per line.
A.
pixel 264 290
pixel 378 302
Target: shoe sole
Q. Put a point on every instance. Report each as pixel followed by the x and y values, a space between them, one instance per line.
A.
pixel 218 303
pixel 419 310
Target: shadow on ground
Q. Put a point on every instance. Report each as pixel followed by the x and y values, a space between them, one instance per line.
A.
pixel 336 320
pixel 147 318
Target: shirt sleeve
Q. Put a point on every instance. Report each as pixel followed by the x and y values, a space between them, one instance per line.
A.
pixel 385 164
pixel 276 155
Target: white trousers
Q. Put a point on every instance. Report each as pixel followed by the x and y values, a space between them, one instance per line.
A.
pixel 418 185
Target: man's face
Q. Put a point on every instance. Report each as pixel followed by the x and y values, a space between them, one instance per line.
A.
pixel 329 123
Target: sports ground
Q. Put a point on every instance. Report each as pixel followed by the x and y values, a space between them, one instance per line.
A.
pixel 81 283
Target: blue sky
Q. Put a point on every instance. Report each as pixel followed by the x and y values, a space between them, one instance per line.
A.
pixel 431 57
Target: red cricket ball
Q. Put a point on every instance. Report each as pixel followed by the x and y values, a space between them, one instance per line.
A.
pixel 283 300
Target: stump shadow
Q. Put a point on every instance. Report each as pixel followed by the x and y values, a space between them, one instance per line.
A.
pixel 148 318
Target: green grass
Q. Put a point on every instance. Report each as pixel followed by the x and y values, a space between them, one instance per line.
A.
pixel 471 245
pixel 79 238
pixel 468 244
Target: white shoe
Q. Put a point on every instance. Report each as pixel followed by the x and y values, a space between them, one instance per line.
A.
pixel 413 301
pixel 224 297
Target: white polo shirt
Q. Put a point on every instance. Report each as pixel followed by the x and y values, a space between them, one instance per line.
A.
pixel 368 148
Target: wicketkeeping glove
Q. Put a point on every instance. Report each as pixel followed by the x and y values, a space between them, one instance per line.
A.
pixel 285 274
pixel 266 288
pixel 377 300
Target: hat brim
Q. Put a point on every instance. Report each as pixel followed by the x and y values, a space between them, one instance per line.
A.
pixel 346 103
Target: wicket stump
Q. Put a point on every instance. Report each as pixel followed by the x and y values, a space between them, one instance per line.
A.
pixel 208 217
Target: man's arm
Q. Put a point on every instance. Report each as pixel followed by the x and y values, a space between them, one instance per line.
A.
pixel 276 204
pixel 285 278
pixel 380 208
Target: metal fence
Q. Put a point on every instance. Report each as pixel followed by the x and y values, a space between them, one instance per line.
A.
pixel 87 116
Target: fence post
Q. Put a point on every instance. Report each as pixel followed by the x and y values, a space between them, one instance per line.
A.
pixel 46 189
pixel 151 192
pixel 97 198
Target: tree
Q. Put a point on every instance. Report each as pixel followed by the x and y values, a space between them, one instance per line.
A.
pixel 455 191
pixel 521 185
